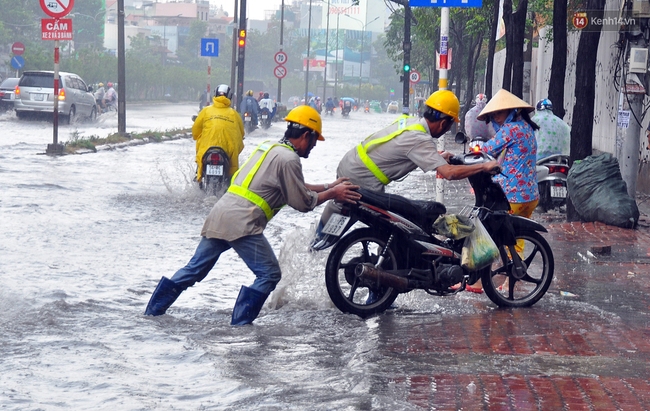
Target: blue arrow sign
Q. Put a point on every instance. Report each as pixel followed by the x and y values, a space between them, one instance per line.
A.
pixel 17 62
pixel 210 47
pixel 446 3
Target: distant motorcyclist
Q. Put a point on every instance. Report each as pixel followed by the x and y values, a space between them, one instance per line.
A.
pixel 313 104
pixel 219 125
pixel 329 104
pixel 99 95
pixel 267 103
pixel 250 105
pixel 554 135
pixel 473 126
pixel 110 97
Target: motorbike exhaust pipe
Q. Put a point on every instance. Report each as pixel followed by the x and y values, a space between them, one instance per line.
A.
pixel 382 278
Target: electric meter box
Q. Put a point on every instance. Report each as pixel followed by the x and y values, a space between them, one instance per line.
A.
pixel 638 60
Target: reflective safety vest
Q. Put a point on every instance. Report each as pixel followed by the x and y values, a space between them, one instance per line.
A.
pixel 243 191
pixel 363 150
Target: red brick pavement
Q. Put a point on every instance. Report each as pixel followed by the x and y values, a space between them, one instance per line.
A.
pixel 587 352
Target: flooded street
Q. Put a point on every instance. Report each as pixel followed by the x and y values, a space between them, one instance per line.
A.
pixel 86 238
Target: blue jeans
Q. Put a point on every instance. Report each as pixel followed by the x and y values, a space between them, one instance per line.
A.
pixel 255 250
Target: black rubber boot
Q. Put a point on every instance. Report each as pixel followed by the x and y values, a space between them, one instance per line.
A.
pixel 248 306
pixel 163 296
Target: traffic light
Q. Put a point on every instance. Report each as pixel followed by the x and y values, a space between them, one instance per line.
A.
pixel 407 68
pixel 242 39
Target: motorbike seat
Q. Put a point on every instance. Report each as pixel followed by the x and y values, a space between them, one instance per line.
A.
pixel 420 212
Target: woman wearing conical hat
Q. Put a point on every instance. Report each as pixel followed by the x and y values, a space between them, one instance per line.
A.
pixel 515 134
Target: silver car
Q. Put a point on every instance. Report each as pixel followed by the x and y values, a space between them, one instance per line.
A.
pixel 35 93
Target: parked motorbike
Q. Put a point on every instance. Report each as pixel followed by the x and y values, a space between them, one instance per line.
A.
pixel 265 118
pixel 552 173
pixel 400 250
pixel 214 174
pixel 248 123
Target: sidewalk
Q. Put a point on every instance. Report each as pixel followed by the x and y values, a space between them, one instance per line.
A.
pixel 584 346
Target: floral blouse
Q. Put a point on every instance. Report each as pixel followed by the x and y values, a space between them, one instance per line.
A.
pixel 520 180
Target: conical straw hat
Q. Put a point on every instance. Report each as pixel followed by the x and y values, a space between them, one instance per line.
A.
pixel 503 100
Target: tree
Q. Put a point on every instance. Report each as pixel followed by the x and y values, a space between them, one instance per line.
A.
pixel 585 92
pixel 513 74
pixel 558 66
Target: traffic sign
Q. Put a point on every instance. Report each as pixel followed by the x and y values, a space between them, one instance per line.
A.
pixel 56 29
pixel 280 71
pixel 17 62
pixel 210 47
pixel 57 8
pixel 446 3
pixel 414 77
pixel 280 58
pixel 18 48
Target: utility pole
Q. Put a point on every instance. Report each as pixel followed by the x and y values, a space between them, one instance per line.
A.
pixel 407 59
pixel 634 94
pixel 233 62
pixel 241 54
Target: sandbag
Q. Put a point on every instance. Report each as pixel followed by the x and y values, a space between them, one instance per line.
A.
pixel 598 192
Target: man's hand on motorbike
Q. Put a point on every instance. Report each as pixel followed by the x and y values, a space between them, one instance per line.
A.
pixel 338 181
pixel 492 167
pixel 446 155
pixel 346 192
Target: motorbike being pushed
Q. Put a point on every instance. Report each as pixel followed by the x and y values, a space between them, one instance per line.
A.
pixel 552 172
pixel 399 249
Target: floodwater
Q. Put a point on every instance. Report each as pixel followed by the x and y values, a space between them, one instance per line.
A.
pixel 85 239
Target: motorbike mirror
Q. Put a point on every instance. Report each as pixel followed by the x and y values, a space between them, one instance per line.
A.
pixel 461 138
pixel 194 118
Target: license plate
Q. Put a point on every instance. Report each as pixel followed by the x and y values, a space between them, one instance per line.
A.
pixel 336 224
pixel 558 191
pixel 247 119
pixel 264 116
pixel 38 97
pixel 214 170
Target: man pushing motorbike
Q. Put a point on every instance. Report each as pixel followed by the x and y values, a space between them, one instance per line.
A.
pixel 219 125
pixel 395 151
pixel 270 178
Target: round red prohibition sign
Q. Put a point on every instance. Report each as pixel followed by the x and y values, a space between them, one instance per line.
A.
pixel 18 48
pixel 414 76
pixel 280 71
pixel 57 8
pixel 280 57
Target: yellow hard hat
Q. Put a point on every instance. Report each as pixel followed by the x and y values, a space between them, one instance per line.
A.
pixel 445 102
pixel 249 93
pixel 101 84
pixel 308 117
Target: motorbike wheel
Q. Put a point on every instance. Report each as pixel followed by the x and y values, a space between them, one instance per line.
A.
pixel 347 291
pixel 505 290
pixel 214 186
pixel 545 202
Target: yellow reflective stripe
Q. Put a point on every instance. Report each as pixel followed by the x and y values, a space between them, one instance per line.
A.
pixel 243 191
pixel 253 198
pixel 363 150
pixel 363 155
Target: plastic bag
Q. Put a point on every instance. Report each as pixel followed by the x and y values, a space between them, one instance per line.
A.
pixel 453 226
pixel 599 193
pixel 479 249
